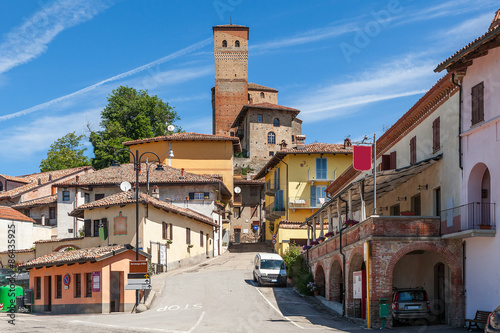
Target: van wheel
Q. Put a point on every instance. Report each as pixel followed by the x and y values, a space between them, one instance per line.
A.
pixel 260 282
pixel 254 279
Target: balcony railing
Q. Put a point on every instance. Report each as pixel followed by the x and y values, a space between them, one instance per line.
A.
pixel 471 216
pixel 306 202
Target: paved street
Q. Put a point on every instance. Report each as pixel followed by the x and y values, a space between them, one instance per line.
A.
pixel 216 296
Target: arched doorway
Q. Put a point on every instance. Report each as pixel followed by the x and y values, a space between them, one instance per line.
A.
pixel 319 278
pixel 356 307
pixel 336 282
pixel 479 197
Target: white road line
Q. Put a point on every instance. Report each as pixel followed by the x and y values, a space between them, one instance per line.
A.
pixel 278 311
pixel 197 323
pixel 129 328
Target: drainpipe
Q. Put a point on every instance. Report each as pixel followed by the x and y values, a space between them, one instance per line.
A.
pixel 459 120
pixel 343 261
pixel 286 192
pixel 464 243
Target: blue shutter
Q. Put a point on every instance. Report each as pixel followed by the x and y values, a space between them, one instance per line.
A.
pixel 313 196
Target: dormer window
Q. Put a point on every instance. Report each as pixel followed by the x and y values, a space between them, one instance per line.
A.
pixel 237 43
pixel 224 43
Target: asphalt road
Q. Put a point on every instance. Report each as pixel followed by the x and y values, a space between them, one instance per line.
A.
pixel 216 296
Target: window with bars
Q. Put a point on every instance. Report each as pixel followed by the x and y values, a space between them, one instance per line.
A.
pixel 477 100
pixel 436 134
pixel 413 150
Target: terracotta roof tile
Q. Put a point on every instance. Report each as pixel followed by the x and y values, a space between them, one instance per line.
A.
pixel 124 198
pixel 81 255
pixel 9 213
pixel 58 240
pixel 37 202
pixel 266 106
pixel 15 179
pixel 187 136
pixel 238 180
pixel 254 86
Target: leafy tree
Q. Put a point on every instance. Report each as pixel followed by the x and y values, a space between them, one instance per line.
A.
pixel 64 153
pixel 129 115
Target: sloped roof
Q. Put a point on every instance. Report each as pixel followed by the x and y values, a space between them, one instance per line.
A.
pixel 44 177
pixel 9 213
pixel 92 254
pixel 15 179
pixel 187 136
pixel 312 148
pixel 125 198
pixel 254 86
pixel 114 175
pixel 37 202
pixel 238 180
pixel 264 106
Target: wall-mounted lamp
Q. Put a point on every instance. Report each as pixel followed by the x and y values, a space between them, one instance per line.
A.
pixel 381 209
pixel 401 198
pixel 423 187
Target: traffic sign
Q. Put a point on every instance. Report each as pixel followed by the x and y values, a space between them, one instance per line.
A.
pixel 138 266
pixel 138 286
pixel 256 227
pixel 274 236
pixel 274 241
pixel 66 279
pixel 138 276
pixel 139 281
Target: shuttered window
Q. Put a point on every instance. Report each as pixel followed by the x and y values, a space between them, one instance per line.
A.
pixel 164 230
pixel 88 228
pixel 436 133
pixel 201 238
pixel 392 164
pixel 477 103
pixel 386 163
pixel 188 235
pixel 413 150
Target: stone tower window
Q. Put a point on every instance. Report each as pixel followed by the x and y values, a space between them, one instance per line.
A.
pixel 271 138
pixel 259 118
pixel 237 43
pixel 261 95
pixel 224 43
pixel 276 122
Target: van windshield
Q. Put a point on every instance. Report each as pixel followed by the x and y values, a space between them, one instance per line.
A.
pixel 272 264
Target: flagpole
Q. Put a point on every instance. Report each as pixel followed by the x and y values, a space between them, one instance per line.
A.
pixel 374 174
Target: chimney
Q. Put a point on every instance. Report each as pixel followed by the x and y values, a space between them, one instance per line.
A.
pixel 54 190
pixel 347 143
pixel 182 172
pixel 156 192
pixel 77 178
pixel 299 139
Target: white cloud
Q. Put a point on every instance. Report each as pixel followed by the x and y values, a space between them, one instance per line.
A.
pixel 471 28
pixel 30 39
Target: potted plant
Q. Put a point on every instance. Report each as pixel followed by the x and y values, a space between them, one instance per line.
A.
pixel 330 234
pixel 190 245
pixel 306 247
pixel 169 241
pixel 407 213
pixel 312 287
pixel 321 239
pixel 350 223
pixel 485 226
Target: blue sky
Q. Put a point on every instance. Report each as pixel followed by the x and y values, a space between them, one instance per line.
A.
pixel 351 67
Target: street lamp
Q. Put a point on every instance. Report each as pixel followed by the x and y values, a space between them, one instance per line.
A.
pixel 137 168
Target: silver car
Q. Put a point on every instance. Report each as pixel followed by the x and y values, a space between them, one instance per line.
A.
pixel 493 323
pixel 410 304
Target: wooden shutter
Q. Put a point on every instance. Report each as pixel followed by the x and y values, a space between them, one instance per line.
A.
pixel 191 195
pixel 413 150
pixel 201 238
pixel 164 230
pixel 386 162
pixel 436 133
pixel 188 235
pixel 88 228
pixel 171 236
pixel 392 161
pixel 477 93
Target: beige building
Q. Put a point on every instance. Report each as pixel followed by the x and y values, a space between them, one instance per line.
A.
pixel 248 215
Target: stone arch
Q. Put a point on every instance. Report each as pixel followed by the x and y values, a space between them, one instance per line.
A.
pixel 356 263
pixel 336 281
pixel 62 247
pixel 319 278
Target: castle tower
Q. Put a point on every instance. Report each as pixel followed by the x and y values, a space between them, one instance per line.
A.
pixel 230 93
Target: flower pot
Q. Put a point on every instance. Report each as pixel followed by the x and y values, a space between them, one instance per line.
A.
pixel 484 226
pixel 407 213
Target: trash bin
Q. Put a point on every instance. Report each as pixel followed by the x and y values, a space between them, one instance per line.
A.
pixel 383 310
pixel 28 297
pixel 19 302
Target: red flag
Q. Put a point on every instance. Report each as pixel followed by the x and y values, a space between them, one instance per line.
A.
pixel 362 157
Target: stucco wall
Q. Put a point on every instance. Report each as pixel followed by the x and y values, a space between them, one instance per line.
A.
pixel 25 234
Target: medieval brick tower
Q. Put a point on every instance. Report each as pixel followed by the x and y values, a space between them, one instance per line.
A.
pixel 231 75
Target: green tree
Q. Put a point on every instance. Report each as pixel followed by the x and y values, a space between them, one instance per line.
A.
pixel 129 115
pixel 64 153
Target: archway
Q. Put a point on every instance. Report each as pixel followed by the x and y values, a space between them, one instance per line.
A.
pixel 355 307
pixel 319 278
pixel 478 195
pixel 336 282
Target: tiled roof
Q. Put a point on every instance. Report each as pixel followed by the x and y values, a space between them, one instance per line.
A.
pixel 254 86
pixel 297 225
pixel 491 35
pixel 37 202
pixel 57 240
pixel 82 255
pixel 15 179
pixel 238 180
pixel 44 177
pixel 187 136
pixel 124 198
pixel 18 251
pixel 9 213
pixel 265 106
pixel 312 148
pixel 115 175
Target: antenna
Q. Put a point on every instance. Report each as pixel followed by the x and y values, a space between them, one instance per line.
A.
pixel 230 20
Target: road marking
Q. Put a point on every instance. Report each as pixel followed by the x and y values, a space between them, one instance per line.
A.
pixel 278 311
pixel 197 323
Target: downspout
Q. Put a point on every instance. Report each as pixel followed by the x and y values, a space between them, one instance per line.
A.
pixel 459 120
pixel 343 261
pixel 262 234
pixel 286 192
pixel 464 257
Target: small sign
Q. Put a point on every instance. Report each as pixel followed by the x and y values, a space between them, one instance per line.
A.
pixel 274 236
pixel 96 281
pixel 255 227
pixel 138 286
pixel 138 266
pixel 139 281
pixel 138 276
pixel 66 280
pixel 245 231
pixel 357 284
pixel 274 241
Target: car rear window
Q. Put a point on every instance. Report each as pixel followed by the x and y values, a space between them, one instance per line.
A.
pixel 412 296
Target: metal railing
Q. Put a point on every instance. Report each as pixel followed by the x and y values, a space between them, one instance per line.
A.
pixel 471 216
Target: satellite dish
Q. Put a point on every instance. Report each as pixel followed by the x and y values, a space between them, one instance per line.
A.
pixel 171 128
pixel 237 190
pixel 125 186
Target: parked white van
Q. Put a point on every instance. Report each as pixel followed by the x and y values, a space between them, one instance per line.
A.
pixel 269 268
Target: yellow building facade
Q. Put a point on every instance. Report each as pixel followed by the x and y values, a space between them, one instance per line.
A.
pixel 295 184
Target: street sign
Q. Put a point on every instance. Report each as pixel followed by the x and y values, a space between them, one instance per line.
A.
pixel 138 286
pixel 138 276
pixel 274 241
pixel 66 279
pixel 255 227
pixel 274 236
pixel 138 266
pixel 139 281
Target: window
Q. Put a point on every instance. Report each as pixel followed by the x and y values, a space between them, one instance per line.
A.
pixel 78 285
pixel 38 287
pixel 231 133
pixel 321 168
pixel 436 140
pixel 171 234
pixel 88 284
pixel 39 181
pixel 188 235
pixel 224 43
pixel 236 212
pixel 277 179
pixel 318 195
pixel 198 195
pixel 98 196
pixel 201 238
pixel 58 286
pixel 388 162
pixel 395 210
pixel 87 197
pixel 237 43
pixel 52 213
pixel 164 230
pixel 276 122
pixel 413 150
pixel 271 153
pixel 293 138
pixel 262 95
pixel 259 118
pixel 96 228
pixel 477 103
pixel 65 196
pixel 1 186
pixel 271 138
pixel 437 201
pixel 87 225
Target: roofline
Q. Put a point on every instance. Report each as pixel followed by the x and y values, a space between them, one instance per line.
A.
pixel 244 109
